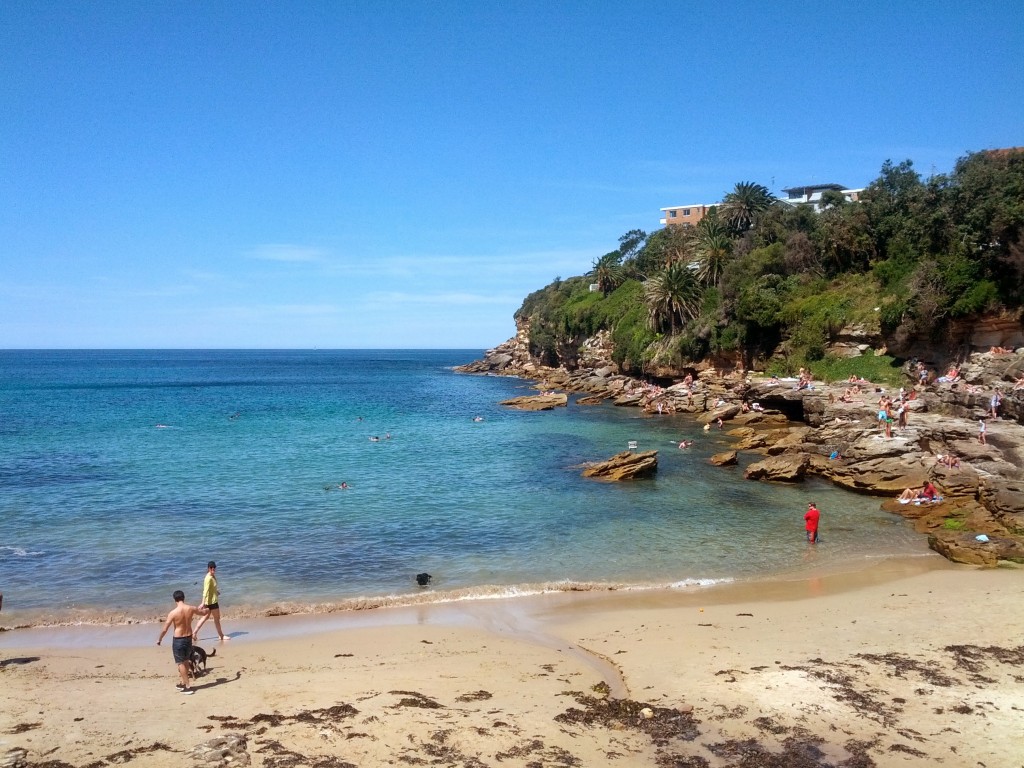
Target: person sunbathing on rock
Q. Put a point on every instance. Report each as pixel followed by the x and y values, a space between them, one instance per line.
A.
pixel 909 494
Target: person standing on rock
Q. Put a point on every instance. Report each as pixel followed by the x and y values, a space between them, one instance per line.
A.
pixel 901 416
pixel 982 429
pixel 995 402
pixel 811 517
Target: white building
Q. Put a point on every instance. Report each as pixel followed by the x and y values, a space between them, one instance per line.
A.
pixel 810 194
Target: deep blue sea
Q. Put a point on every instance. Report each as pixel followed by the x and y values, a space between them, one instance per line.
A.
pixel 123 472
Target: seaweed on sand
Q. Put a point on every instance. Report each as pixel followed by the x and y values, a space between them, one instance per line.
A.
pixel 661 724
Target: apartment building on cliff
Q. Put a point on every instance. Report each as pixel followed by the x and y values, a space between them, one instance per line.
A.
pixel 683 215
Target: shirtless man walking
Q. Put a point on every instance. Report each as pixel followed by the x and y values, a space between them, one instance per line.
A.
pixel 181 619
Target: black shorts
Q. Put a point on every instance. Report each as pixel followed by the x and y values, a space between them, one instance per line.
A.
pixel 214 606
pixel 181 647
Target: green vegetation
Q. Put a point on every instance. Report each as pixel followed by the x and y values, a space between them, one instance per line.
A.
pixel 954 524
pixel 772 286
pixel 881 369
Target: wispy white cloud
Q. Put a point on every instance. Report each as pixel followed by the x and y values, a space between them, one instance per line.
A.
pixel 474 268
pixel 205 276
pixel 288 252
pixel 250 311
pixel 400 298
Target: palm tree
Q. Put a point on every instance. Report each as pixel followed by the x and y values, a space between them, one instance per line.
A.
pixel 672 294
pixel 713 254
pixel 714 248
pixel 608 272
pixel 744 203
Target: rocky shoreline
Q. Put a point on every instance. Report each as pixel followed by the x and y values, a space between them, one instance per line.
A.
pixel 828 431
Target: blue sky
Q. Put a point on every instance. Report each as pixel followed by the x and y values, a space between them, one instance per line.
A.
pixel 402 174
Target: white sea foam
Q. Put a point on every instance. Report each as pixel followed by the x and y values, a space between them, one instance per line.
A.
pixel 689 583
pixel 18 551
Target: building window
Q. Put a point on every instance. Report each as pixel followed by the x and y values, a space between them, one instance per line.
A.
pixel 672 214
pixel 686 211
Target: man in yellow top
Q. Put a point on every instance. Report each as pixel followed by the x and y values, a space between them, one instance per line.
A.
pixel 181 619
pixel 211 601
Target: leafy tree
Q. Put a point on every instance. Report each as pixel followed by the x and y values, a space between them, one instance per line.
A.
pixel 631 242
pixel 760 302
pixel 843 239
pixel 673 296
pixel 743 205
pixel 893 206
pixel 660 249
pixel 986 204
pixel 831 198
pixel 801 256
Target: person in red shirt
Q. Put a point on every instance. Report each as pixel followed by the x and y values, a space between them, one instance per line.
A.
pixel 811 517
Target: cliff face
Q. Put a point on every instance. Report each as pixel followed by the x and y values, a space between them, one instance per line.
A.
pixel 1004 330
pixel 962 337
pixel 513 358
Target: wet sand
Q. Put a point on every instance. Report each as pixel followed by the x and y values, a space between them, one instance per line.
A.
pixel 905 663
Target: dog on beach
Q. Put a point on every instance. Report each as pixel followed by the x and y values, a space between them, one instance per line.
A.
pixel 423 579
pixel 197 661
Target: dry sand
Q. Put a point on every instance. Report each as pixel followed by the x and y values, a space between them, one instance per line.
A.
pixel 906 663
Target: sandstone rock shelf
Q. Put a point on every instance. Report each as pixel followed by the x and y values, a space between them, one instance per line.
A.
pixel 624 466
pixel 816 432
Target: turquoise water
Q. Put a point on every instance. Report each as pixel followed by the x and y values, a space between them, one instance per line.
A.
pixel 123 472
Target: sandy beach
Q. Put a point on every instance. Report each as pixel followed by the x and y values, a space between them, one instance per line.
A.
pixel 906 663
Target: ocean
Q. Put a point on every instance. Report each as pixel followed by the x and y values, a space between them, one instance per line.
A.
pixel 123 472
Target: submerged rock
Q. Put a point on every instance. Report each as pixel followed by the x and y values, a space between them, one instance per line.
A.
pixel 724 459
